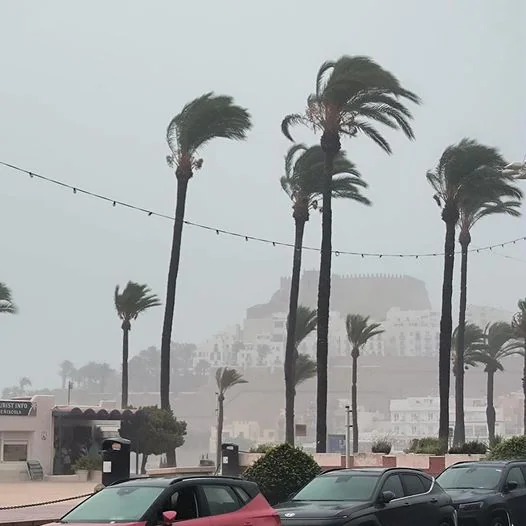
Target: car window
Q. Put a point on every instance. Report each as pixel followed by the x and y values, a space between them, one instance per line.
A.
pixel 426 481
pixel 515 475
pixel 115 504
pixel 184 502
pixel 242 494
pixel 339 487
pixel 394 484
pixel 470 476
pixel 413 484
pixel 221 499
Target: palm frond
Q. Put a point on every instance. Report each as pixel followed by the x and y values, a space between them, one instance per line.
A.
pixel 226 378
pixel 473 343
pixel 360 331
pixel 305 368
pixel 134 300
pixel 306 322
pixel 519 320
pixel 289 121
pixel 7 305
pixel 290 157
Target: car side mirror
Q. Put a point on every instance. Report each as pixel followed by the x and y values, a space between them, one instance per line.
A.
pixel 511 485
pixel 386 497
pixel 169 517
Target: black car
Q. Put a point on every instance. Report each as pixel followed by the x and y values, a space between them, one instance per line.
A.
pixel 369 496
pixel 487 493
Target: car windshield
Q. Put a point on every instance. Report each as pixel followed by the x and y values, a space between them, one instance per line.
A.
pixel 115 504
pixel 470 477
pixel 339 487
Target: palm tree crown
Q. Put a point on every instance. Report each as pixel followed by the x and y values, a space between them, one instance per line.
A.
pixel 134 300
pixel 201 120
pixel 350 93
pixel 303 179
pixel 519 320
pixel 305 369
pixel 473 342
pixel 360 331
pixel 306 321
pixel 226 378
pixel 6 300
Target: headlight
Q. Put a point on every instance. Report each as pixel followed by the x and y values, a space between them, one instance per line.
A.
pixel 470 506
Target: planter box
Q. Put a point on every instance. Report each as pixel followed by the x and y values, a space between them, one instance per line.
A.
pixel 95 476
pixel 82 475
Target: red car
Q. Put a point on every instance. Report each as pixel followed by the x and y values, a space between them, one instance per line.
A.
pixel 205 501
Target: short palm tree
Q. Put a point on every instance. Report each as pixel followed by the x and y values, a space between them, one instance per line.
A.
pixel 132 301
pixel 206 118
pixel 461 170
pixel 359 332
pixel 519 328
pixel 6 300
pixel 351 93
pixel 499 342
pixel 226 378
pixel 302 182
pixel 305 322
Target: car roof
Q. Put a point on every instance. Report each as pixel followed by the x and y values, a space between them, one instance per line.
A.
pixel 164 482
pixel 373 471
pixel 488 463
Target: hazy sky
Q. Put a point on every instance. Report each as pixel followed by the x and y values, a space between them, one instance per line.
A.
pixel 86 92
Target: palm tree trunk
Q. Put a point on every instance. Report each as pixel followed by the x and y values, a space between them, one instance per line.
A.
pixel 450 217
pixel 220 416
pixel 182 186
pixel 290 349
pixel 143 464
pixel 354 402
pixel 524 385
pixel 490 409
pixel 124 379
pixel 460 427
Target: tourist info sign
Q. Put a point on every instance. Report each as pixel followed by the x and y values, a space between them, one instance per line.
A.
pixel 17 408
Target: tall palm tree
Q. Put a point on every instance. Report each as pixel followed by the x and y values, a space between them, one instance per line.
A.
pixel 302 182
pixel 350 93
pixel 359 332
pixel 495 194
pixel 458 176
pixel 305 322
pixel 201 120
pixel 226 378
pixel 132 301
pixel 519 328
pixel 6 300
pixel 66 372
pixel 499 343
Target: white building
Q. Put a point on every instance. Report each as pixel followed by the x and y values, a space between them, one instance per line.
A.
pixel 418 417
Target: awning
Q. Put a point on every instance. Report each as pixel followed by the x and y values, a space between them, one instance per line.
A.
pixel 92 413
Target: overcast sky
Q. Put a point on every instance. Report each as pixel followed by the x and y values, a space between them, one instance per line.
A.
pixel 86 92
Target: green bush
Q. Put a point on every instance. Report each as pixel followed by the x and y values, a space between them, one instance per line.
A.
pixel 382 445
pixel 427 446
pixel 469 448
pixel 88 463
pixel 262 448
pixel 283 470
pixel 510 449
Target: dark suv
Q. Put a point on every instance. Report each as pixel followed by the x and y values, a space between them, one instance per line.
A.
pixel 487 493
pixel 369 496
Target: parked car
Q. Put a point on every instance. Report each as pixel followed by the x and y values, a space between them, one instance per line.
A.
pixel 205 501
pixel 370 496
pixel 487 493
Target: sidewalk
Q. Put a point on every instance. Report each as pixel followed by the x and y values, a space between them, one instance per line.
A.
pixel 17 493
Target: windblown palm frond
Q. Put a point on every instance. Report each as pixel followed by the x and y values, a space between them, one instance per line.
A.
pixel 7 305
pixel 227 378
pixel 201 120
pixel 134 300
pixel 473 342
pixel 519 320
pixel 306 321
pixel 360 331
pixel 305 369
pixel 351 93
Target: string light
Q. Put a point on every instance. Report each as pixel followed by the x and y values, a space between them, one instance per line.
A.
pixel 274 243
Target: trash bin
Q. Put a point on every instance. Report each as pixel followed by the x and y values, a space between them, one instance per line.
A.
pixel 230 460
pixel 115 460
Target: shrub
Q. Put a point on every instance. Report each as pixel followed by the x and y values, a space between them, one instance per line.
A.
pixel 88 463
pixel 382 445
pixel 510 449
pixel 262 448
pixel 427 446
pixel 283 470
pixel 469 448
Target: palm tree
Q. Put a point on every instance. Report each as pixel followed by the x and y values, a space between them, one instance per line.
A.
pixel 201 120
pixel 226 378
pixel 134 300
pixel 305 321
pixel 350 93
pixel 66 372
pixel 6 300
pixel 359 332
pixel 473 342
pixel 302 182
pixel 23 384
pixel 498 343
pixel 519 327
pixel 458 176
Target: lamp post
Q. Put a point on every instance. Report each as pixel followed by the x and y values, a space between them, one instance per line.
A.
pixel 517 170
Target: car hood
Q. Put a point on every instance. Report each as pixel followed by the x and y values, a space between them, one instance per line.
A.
pixel 460 496
pixel 301 509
